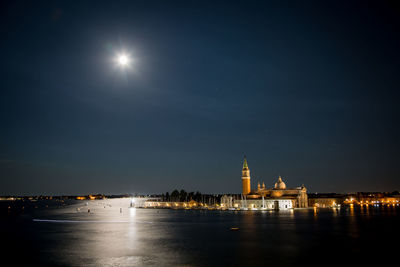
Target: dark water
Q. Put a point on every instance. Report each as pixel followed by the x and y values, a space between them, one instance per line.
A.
pixel 61 235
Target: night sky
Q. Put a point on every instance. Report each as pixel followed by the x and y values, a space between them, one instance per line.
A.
pixel 305 90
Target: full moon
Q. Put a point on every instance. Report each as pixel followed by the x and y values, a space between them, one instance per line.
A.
pixel 123 60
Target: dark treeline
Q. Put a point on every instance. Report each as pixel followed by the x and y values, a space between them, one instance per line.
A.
pixel 182 195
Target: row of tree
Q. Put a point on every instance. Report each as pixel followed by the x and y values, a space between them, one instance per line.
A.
pixel 182 195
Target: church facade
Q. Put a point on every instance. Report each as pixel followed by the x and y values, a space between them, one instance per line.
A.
pixel 278 197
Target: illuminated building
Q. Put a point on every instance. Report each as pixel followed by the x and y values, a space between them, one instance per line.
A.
pixel 325 200
pixel 277 197
pixel 245 178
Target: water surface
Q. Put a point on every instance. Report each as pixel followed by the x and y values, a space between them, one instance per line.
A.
pixel 52 233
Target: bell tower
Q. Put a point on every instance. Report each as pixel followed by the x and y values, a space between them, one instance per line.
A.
pixel 246 177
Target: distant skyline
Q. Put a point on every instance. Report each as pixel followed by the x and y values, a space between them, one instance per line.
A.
pixel 306 90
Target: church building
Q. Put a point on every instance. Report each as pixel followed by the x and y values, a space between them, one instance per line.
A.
pixel 277 197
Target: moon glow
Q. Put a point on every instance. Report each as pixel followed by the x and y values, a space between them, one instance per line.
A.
pixel 123 60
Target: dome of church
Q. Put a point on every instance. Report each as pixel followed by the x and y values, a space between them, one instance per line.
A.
pixel 280 184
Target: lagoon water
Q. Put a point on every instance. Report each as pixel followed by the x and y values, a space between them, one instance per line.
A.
pixel 54 233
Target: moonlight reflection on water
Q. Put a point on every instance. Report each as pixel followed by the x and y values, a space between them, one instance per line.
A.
pixel 109 236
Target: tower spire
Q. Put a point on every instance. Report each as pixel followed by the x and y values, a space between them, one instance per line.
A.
pixel 245 162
